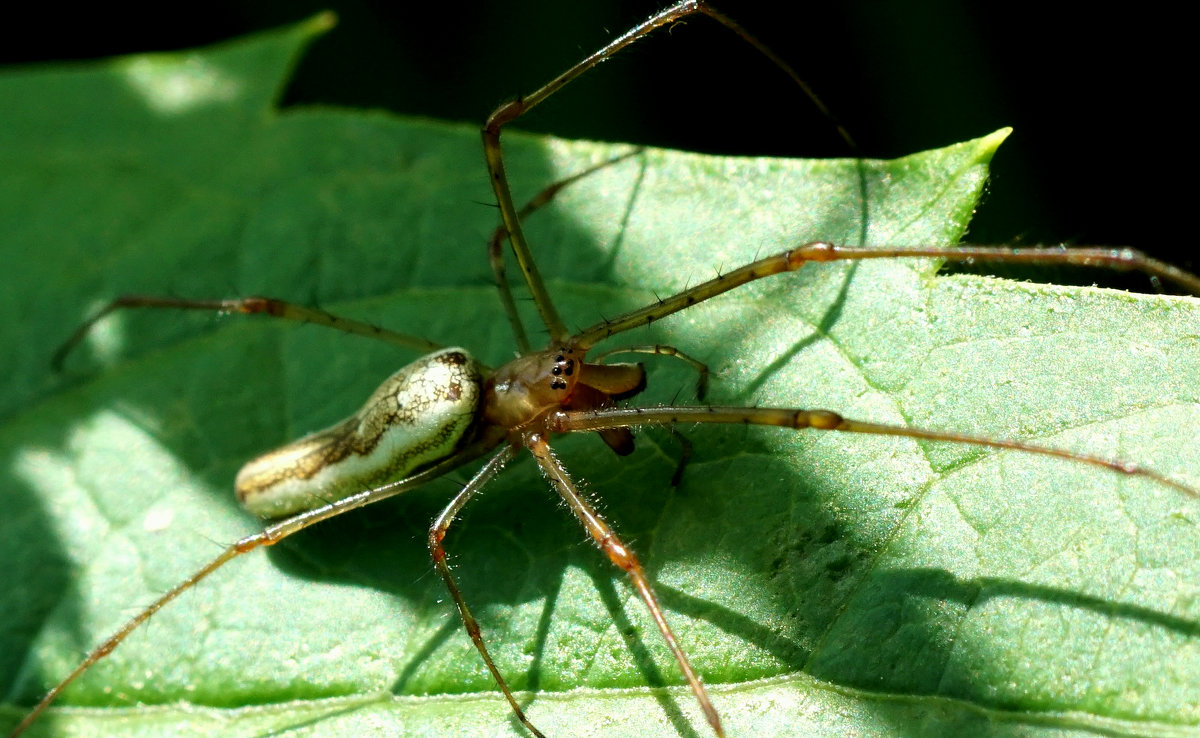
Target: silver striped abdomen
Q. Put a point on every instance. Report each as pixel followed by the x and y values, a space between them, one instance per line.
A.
pixel 418 416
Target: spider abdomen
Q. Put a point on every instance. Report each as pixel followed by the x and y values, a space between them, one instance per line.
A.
pixel 418 416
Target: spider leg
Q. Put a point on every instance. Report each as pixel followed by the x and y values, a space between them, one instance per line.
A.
pixel 685 455
pixel 825 420
pixel 268 536
pixel 1116 259
pixel 496 244
pixel 1121 259
pixel 437 534
pixel 247 306
pixel 623 558
pixel 510 111
pixel 661 350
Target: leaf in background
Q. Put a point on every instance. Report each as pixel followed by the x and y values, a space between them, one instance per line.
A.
pixel 822 584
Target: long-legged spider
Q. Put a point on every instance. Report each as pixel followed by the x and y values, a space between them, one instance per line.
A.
pixel 834 302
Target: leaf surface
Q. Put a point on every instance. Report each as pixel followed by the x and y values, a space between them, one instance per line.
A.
pixel 823 584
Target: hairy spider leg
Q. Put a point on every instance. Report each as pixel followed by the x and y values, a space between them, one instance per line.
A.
pixel 277 308
pixel 268 536
pixel 437 534
pixel 500 234
pixel 510 111
pixel 1121 259
pixel 247 306
pixel 825 420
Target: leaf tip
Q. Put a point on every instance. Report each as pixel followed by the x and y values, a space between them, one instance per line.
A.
pixel 320 23
pixel 993 140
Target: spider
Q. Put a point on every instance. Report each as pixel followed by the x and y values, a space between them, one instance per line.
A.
pixel 833 304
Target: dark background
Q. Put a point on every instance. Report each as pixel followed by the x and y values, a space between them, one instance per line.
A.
pixel 1099 154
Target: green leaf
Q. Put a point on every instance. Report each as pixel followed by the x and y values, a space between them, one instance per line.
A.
pixel 823 584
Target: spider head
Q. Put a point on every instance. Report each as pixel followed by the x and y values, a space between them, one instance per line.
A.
pixel 528 387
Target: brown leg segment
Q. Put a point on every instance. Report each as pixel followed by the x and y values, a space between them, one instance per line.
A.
pixel 624 558
pixel 437 534
pixel 269 536
pixel 825 420
pixel 247 306
pixel 789 261
pixel 496 245
pixel 514 109
pixel 660 350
